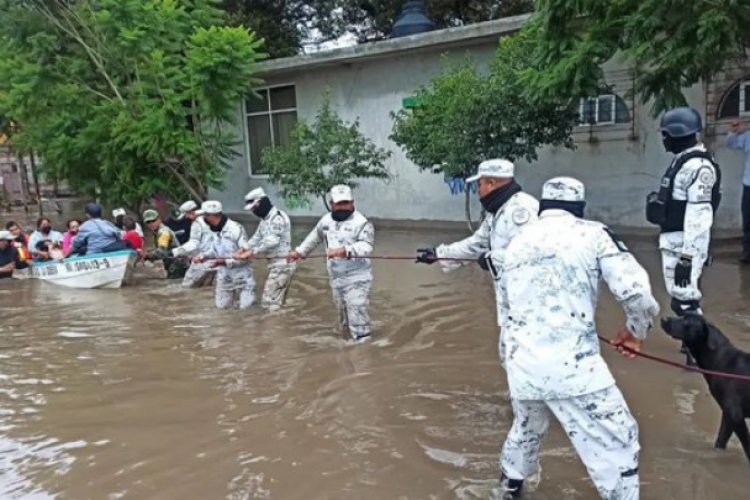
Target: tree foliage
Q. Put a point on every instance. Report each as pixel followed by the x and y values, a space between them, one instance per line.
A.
pixel 323 154
pixel 125 98
pixel 671 44
pixel 464 117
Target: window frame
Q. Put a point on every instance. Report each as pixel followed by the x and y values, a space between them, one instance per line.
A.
pixel 613 110
pixel 743 85
pixel 270 112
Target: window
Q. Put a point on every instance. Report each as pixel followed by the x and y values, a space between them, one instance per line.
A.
pixel 603 110
pixel 271 117
pixel 736 102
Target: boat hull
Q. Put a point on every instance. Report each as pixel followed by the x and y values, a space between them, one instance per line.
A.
pixel 104 270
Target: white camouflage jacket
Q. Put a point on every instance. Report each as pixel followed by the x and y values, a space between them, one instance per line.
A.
pixel 273 237
pixel 356 234
pixel 551 271
pixel 199 231
pixel 225 243
pixel 494 234
pixel 694 183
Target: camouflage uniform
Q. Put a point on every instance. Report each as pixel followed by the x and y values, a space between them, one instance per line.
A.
pixel 351 279
pixel 550 350
pixel 494 233
pixel 197 274
pixel 693 183
pixel 273 239
pixel 235 277
pixel 165 242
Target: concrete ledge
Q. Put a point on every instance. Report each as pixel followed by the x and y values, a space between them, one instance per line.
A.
pixel 459 36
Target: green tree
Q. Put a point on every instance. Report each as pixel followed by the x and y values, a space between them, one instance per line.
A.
pixel 671 45
pixel 125 98
pixel 323 154
pixel 464 117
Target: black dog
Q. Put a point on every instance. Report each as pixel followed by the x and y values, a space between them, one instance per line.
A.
pixel 713 351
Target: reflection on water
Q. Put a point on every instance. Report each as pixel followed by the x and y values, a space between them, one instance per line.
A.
pixel 150 392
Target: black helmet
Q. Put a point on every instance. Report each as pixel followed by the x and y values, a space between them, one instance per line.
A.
pixel 681 122
pixel 93 210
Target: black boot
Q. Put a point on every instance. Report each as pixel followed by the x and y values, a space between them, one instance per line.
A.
pixel 510 488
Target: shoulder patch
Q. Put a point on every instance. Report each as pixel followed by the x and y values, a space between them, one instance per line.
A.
pixel 520 216
pixel 706 176
pixel 618 242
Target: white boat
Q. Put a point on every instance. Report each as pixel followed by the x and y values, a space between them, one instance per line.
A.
pixel 101 270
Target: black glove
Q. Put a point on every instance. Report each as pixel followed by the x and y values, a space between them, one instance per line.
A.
pixel 682 272
pixel 484 261
pixel 426 256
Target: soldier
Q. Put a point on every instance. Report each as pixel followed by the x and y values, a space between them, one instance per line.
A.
pixel 549 344
pixel 225 238
pixel 198 274
pixel 272 240
pixel 348 237
pixel 684 208
pixel 165 242
pixel 508 210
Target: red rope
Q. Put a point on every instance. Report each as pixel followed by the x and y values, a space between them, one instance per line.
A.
pixel 695 369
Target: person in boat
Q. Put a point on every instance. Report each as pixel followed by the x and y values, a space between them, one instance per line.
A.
pixel 20 243
pixel 97 235
pixel 8 255
pixel 119 214
pixel 73 226
pixel 164 242
pixel 44 239
pixel 198 274
pixel 131 235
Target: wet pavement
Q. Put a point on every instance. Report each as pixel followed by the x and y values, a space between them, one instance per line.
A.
pixel 150 392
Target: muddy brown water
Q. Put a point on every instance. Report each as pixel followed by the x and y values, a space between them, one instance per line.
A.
pixel 150 392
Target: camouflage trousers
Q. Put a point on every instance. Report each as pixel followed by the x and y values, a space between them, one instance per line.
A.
pixel 277 285
pixel 351 294
pixel 199 275
pixel 602 431
pixel 691 292
pixel 231 282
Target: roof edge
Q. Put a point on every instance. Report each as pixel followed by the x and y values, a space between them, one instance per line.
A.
pixel 448 36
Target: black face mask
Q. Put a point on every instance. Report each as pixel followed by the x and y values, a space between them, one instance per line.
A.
pixel 45 229
pixel 573 207
pixel 677 145
pixel 218 227
pixel 262 208
pixel 341 215
pixel 493 201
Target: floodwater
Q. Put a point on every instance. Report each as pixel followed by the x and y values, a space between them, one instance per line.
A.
pixel 149 392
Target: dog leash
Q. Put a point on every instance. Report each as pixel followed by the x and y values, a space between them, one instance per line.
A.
pixel 373 257
pixel 695 369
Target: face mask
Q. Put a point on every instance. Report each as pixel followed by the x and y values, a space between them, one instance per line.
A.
pixel 74 231
pixel 492 202
pixel 676 145
pixel 341 215
pixel 45 229
pixel 262 208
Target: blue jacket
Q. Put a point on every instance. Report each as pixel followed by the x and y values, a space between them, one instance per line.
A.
pixel 95 235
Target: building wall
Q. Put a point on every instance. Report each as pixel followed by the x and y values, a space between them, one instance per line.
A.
pixel 618 163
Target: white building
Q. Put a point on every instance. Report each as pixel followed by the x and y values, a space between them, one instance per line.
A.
pixel 619 157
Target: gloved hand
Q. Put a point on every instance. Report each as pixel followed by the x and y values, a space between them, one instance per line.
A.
pixel 682 272
pixel 482 260
pixel 426 256
pixel 485 262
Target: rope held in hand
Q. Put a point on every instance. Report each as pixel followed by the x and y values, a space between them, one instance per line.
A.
pixel 695 369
